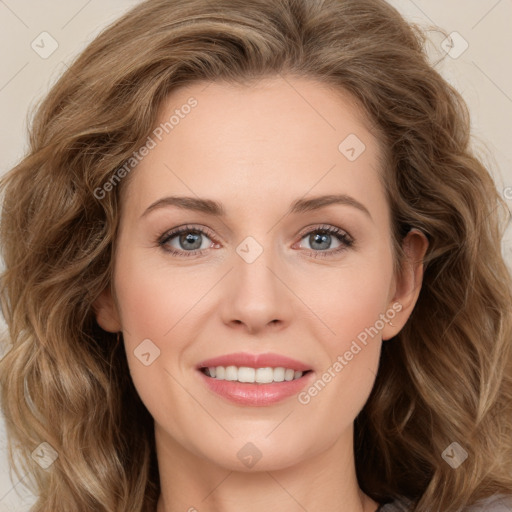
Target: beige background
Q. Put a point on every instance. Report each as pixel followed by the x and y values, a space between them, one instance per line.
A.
pixel 482 73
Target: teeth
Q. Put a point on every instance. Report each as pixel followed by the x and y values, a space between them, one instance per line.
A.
pixel 254 375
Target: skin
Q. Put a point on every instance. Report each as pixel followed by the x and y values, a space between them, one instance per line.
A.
pixel 256 149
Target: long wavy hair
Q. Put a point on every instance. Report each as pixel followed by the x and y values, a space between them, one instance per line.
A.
pixel 446 377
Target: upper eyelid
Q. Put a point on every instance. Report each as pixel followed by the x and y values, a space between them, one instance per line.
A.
pixel 324 227
pixel 171 233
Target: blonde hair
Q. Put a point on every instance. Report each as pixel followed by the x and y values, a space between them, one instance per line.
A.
pixel 447 376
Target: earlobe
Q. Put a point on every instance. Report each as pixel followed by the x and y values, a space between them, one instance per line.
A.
pixel 409 282
pixel 106 312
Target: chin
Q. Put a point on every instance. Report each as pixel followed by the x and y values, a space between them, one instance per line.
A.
pixel 250 456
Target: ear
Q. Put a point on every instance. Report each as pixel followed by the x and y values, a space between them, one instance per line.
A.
pixel 106 312
pixel 408 282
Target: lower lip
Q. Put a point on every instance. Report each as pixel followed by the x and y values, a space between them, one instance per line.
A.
pixel 256 394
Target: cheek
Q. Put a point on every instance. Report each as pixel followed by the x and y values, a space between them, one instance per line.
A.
pixel 152 305
pixel 352 314
pixel 351 302
pixel 152 299
pixel 359 296
pixel 157 302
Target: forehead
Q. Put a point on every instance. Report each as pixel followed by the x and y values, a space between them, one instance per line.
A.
pixel 272 138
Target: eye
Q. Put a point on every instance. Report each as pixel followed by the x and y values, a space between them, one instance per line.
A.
pixel 189 241
pixel 321 237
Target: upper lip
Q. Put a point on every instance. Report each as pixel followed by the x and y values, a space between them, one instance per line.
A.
pixel 265 360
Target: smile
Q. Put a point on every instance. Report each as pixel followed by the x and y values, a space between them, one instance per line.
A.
pixel 250 392
pixel 253 375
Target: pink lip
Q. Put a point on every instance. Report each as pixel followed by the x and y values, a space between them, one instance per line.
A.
pixel 243 393
pixel 255 361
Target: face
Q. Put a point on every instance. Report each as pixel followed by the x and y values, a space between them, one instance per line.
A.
pixel 313 283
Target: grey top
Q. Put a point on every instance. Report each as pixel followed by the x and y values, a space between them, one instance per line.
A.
pixel 495 503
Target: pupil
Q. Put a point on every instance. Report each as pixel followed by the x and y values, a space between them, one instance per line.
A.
pixel 324 237
pixel 191 238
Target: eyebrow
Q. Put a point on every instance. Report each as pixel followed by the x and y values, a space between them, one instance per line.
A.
pixel 210 207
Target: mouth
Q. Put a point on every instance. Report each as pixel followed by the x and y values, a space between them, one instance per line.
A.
pixel 248 379
pixel 252 375
pixel 254 386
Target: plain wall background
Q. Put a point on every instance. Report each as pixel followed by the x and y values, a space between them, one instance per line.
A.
pixel 482 74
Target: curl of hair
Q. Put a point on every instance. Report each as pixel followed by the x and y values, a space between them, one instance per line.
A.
pixel 447 376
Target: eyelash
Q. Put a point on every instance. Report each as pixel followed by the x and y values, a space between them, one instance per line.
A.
pixel 345 239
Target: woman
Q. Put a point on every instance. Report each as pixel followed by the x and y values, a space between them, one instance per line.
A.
pixel 183 338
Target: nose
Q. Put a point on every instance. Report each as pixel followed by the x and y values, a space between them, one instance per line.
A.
pixel 256 296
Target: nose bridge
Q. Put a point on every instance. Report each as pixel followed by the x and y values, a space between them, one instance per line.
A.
pixel 256 295
pixel 254 260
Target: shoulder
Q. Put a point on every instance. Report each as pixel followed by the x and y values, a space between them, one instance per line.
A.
pixel 494 503
pixel 399 505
